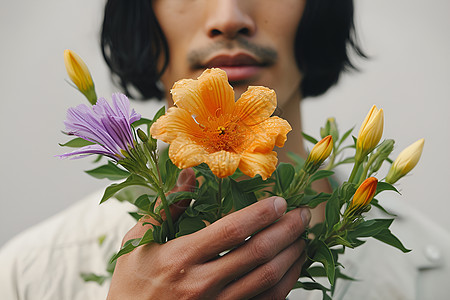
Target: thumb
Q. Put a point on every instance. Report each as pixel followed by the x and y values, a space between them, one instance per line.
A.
pixel 186 182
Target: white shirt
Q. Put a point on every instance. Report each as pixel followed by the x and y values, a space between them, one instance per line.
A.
pixel 45 261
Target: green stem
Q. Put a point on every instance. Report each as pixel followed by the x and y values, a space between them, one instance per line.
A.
pixel 366 168
pixel 164 202
pixel 299 184
pixel 219 198
pixel 354 171
pixel 166 208
pixel 331 162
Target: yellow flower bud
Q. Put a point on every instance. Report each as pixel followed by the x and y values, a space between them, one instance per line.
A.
pixel 370 133
pixel 318 154
pixel 405 161
pixel 365 193
pixel 80 75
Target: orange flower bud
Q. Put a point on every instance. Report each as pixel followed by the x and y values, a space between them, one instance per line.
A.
pixel 364 194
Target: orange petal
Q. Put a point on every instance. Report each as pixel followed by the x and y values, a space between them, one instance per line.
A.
pixel 258 163
pixel 186 95
pixel 186 154
pixel 223 163
pixel 268 134
pixel 255 105
pixel 175 121
pixel 217 93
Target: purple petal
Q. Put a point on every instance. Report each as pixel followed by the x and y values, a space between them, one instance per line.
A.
pixel 108 126
pixel 88 150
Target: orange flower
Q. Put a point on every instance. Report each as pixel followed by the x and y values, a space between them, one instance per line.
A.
pixel 207 125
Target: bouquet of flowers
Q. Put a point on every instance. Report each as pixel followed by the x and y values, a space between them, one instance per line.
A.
pixel 230 147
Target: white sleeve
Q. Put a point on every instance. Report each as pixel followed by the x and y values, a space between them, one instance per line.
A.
pixel 8 274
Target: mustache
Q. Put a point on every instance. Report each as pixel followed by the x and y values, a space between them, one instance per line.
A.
pixel 266 55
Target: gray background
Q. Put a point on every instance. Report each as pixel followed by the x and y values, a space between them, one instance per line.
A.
pixel 408 75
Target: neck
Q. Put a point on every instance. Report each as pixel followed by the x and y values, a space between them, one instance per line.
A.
pixel 291 112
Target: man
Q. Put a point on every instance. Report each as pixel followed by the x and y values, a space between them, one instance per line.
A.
pixel 256 43
pixel 298 48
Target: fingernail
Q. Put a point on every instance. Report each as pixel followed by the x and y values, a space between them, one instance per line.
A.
pixel 279 205
pixel 305 215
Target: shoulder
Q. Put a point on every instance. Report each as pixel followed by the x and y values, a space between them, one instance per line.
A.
pixel 48 258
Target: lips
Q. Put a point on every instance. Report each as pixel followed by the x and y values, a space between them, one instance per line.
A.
pixel 240 67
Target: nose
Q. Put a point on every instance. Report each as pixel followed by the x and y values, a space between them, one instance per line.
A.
pixel 229 19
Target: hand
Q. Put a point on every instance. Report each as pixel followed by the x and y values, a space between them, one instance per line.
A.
pixel 264 266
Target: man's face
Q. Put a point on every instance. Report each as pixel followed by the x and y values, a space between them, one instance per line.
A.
pixel 252 40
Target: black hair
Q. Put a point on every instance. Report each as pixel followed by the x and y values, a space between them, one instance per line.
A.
pixel 132 43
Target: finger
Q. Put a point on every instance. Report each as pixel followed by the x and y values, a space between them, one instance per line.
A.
pixel 264 246
pixel 285 285
pixel 233 229
pixel 265 276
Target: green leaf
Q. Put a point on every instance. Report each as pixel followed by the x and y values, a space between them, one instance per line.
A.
pixel 310 286
pixel 94 277
pixel 309 138
pixel 370 228
pixel 159 233
pixel 206 207
pixel 135 215
pixel 332 209
pixel 170 175
pixel 347 160
pixel 241 199
pixel 159 113
pixel 295 201
pixel 190 225
pixel 284 175
pixel 324 256
pixel 146 203
pixel 110 171
pixel 384 186
pixel 77 143
pixel 254 184
pixel 375 203
pixel 101 239
pixel 387 237
pixel 132 244
pixel 115 187
pixel 142 121
pixel 203 170
pixel 320 174
pixel 341 275
pixel 178 196
pixel 314 200
pixel 341 241
pixel 317 271
pixel 345 135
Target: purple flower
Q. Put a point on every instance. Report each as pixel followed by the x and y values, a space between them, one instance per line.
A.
pixel 109 127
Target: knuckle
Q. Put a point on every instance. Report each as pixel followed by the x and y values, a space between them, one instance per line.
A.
pixel 293 227
pixel 275 294
pixel 261 250
pixel 230 231
pixel 270 275
pixel 293 222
